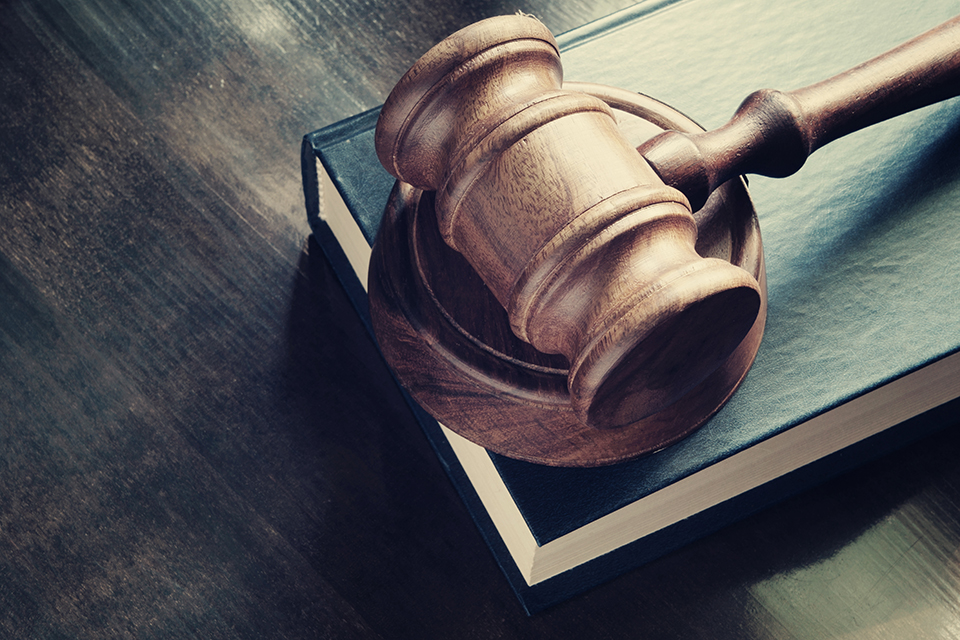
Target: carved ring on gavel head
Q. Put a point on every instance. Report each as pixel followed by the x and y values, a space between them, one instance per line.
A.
pixel 533 218
pixel 592 256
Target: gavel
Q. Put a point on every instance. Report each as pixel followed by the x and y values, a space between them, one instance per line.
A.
pixel 588 243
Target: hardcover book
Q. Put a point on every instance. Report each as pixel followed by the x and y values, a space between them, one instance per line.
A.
pixel 861 353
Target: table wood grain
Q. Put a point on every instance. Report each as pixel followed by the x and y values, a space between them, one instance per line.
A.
pixel 199 440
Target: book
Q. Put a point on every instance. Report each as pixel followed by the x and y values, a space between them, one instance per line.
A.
pixel 861 353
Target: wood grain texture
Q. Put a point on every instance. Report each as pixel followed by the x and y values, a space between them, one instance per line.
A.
pixel 456 349
pixel 591 254
pixel 189 441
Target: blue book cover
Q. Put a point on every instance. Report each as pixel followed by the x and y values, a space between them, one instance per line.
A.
pixel 861 352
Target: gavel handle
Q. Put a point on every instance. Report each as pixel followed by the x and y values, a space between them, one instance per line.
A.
pixel 773 132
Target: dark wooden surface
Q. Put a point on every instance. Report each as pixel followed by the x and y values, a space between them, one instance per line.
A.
pixel 197 438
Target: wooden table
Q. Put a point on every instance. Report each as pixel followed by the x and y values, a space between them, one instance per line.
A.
pixel 199 440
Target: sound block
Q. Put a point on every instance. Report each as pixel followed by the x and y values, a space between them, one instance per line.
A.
pixel 449 342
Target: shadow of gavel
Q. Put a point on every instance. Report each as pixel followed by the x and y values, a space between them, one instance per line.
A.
pixel 589 245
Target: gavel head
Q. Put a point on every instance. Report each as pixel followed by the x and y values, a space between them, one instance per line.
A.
pixel 592 256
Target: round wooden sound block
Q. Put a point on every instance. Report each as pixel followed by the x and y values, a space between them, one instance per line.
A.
pixel 449 340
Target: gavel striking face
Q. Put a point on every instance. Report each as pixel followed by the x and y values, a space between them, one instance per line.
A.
pixel 587 243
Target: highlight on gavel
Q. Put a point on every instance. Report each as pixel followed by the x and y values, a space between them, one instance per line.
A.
pixel 588 247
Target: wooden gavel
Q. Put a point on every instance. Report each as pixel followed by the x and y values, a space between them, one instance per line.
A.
pixel 590 245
